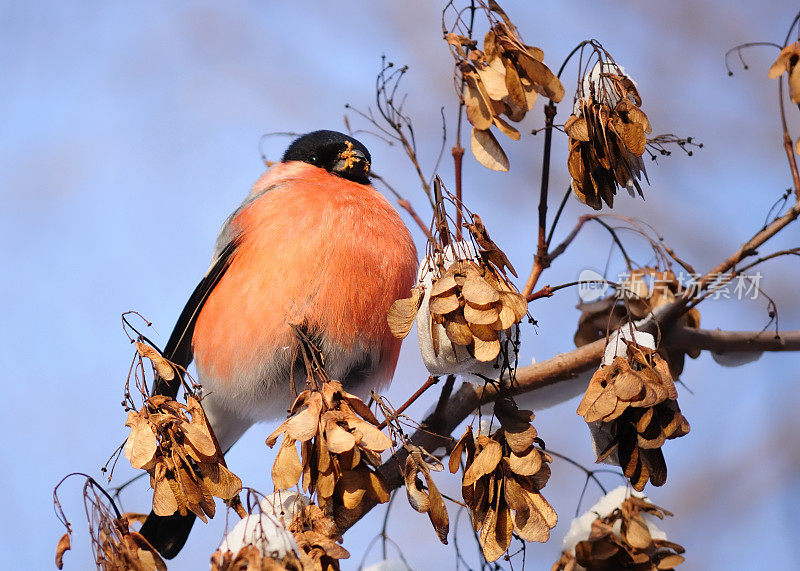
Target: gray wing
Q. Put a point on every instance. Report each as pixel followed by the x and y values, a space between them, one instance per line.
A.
pixel 179 347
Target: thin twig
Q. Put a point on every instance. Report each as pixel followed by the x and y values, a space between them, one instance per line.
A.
pixel 558 215
pixel 750 247
pixel 458 150
pixel 548 290
pixel 788 147
pixel 458 159
pixel 558 250
pixel 589 473
pixel 541 260
pixel 428 384
pixel 789 252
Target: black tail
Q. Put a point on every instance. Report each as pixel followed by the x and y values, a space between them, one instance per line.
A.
pixel 168 534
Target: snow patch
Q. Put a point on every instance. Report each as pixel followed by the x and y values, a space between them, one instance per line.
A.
pixel 581 526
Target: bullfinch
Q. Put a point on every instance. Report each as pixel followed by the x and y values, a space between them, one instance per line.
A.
pixel 313 245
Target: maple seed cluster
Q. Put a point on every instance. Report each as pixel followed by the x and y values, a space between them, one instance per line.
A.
pixel 475 305
pixel 316 538
pixel 122 549
pixel 340 446
pixel 472 299
pixel 502 79
pixel 622 540
pixel 186 468
pixel 607 137
pixel 635 401
pixel 637 301
pixel 504 474
pixel 116 546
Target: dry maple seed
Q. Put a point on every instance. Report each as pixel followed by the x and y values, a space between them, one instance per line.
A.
pixel 64 545
pixel 502 79
pixel 607 136
pixel 503 477
pixel 425 498
pixel 622 540
pixel 173 442
pixel 634 401
pixel 787 63
pixel 340 448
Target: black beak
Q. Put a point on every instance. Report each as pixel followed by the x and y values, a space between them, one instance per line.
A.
pixel 352 164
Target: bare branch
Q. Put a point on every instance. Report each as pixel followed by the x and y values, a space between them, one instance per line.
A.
pixel 732 341
pixel 541 260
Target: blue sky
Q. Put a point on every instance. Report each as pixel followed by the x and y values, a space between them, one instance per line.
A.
pixel 131 131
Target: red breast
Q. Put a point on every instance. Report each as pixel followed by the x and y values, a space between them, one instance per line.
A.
pixel 314 249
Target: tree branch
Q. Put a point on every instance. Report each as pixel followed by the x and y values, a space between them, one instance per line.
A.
pixel 541 260
pixel 732 341
pixel 562 367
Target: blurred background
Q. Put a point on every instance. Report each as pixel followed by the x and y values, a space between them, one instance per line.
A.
pixel 130 131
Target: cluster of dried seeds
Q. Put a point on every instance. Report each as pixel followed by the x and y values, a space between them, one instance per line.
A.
pixel 122 549
pixel 622 540
pixel 316 538
pixel 503 477
pixel 607 136
pixel 315 546
pixel 173 442
pixel 634 401
pixel 502 79
pixel 341 447
pixel 475 305
pixel 637 300
pixel 471 299
pixel 116 546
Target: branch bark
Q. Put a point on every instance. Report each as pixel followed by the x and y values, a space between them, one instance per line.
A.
pixel 732 341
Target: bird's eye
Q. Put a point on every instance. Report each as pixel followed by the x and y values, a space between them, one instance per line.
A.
pixel 313 158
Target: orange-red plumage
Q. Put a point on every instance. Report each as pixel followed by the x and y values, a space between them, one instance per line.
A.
pixel 315 249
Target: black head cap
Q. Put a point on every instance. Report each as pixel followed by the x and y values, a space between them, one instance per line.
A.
pixel 335 152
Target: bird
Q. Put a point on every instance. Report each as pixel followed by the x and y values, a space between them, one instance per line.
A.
pixel 313 245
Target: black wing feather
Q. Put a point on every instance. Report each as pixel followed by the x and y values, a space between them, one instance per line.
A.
pixel 179 347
